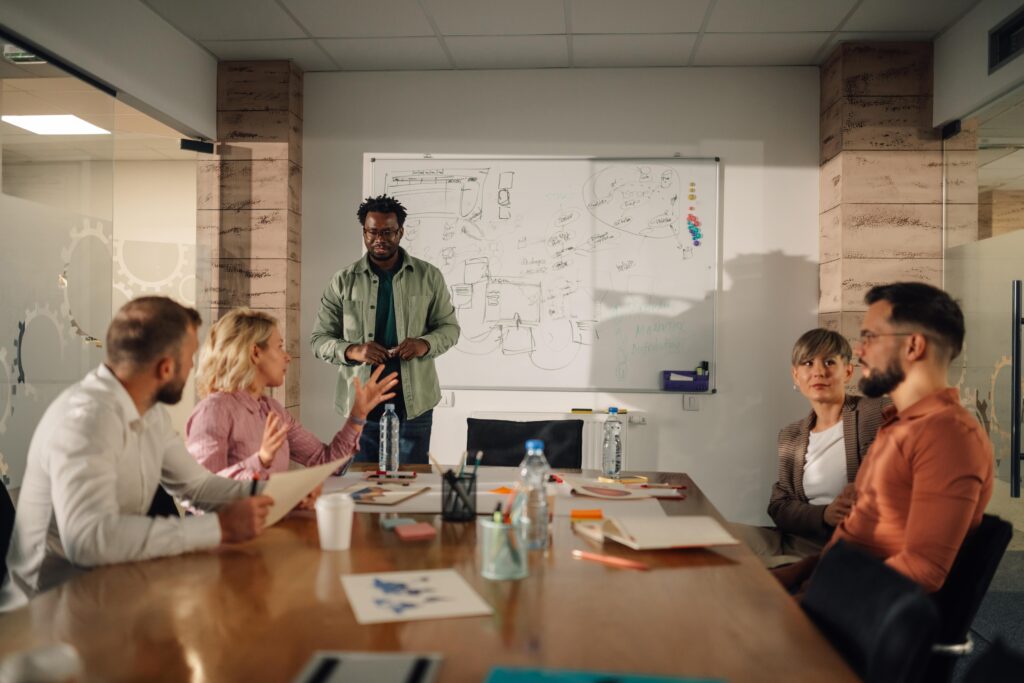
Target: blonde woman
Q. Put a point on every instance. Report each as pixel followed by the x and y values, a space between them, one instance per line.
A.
pixel 238 432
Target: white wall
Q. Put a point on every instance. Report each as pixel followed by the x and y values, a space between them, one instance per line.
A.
pixel 962 81
pixel 125 44
pixel 763 123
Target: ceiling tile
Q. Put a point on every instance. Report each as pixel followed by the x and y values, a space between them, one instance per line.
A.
pixel 759 49
pixel 907 15
pixel 398 54
pixel 305 53
pixel 756 16
pixel 228 19
pixel 632 50
pixel 360 19
pixel 509 52
pixel 637 16
pixel 497 17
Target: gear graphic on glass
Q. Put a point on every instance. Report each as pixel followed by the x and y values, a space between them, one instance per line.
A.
pixel 8 403
pixel 89 228
pixel 131 285
pixel 31 316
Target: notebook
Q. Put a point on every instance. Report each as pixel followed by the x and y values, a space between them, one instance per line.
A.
pixel 658 533
pixel 344 667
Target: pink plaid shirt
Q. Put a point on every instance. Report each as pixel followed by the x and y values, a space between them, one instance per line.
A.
pixel 226 428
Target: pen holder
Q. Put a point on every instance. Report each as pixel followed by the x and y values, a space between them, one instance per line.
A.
pixel 503 554
pixel 458 497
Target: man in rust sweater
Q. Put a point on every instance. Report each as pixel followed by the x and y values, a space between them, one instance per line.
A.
pixel 927 478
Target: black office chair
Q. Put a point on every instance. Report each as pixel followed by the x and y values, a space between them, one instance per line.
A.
pixel 879 620
pixel 960 596
pixel 503 441
pixel 6 528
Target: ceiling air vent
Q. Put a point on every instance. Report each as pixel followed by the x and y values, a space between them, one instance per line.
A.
pixel 1006 41
pixel 16 55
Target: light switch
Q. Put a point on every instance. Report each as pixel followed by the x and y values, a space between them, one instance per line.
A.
pixel 691 403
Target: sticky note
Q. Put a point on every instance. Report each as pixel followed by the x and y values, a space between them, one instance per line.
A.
pixel 586 514
pixel 421 531
pixel 503 490
pixel 397 521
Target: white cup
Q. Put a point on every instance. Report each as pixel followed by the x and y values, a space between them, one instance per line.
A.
pixel 334 520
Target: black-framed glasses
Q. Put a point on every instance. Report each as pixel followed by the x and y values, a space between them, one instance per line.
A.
pixel 867 337
pixel 388 233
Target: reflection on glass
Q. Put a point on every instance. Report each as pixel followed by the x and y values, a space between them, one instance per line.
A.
pixel 88 220
pixel 984 252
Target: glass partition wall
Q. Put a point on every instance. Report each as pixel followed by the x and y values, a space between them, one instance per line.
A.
pixel 97 205
pixel 984 254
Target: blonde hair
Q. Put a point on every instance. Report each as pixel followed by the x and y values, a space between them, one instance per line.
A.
pixel 823 343
pixel 226 361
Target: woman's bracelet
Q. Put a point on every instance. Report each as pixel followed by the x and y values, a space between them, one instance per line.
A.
pixel 357 420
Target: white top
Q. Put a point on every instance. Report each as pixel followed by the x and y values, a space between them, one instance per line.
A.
pixel 825 465
pixel 93 467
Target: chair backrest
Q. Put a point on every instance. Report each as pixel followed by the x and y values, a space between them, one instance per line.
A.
pixel 162 505
pixel 879 620
pixel 960 596
pixel 503 441
pixel 6 528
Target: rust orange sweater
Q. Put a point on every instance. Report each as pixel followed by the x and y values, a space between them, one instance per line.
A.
pixel 923 485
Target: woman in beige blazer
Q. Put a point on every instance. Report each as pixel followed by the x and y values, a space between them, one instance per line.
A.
pixel 819 455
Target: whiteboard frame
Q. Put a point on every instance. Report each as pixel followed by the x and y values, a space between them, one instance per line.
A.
pixel 369 158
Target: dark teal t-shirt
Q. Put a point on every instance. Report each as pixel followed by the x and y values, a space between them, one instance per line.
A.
pixel 385 332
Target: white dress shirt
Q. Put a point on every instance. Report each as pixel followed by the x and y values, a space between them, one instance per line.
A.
pixel 93 468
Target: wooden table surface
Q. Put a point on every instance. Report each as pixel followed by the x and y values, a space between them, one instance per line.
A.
pixel 258 610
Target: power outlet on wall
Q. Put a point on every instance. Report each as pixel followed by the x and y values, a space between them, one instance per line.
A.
pixel 447 399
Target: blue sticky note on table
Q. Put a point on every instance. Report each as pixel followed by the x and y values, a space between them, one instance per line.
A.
pixel 396 521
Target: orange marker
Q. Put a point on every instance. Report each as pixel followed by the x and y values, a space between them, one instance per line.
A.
pixel 609 560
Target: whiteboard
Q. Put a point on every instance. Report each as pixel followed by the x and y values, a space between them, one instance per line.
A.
pixel 566 273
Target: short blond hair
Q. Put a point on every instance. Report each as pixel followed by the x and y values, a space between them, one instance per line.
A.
pixel 226 360
pixel 823 343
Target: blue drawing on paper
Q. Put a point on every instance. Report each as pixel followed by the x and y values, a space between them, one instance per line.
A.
pixel 400 596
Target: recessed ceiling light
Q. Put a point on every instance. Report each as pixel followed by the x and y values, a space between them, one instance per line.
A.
pixel 59 124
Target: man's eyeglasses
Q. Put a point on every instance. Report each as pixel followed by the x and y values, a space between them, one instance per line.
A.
pixel 388 233
pixel 867 337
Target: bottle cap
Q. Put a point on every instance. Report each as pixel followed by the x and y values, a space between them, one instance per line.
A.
pixel 534 445
pixel 613 411
pixel 389 406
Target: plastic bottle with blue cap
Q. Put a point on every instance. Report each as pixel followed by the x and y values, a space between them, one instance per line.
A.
pixel 533 475
pixel 611 455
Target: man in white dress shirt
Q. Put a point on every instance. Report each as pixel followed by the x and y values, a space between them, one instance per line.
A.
pixel 99 453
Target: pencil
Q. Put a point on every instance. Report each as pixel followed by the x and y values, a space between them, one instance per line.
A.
pixel 609 560
pixel 436 464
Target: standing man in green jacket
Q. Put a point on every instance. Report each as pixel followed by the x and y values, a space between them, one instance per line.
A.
pixel 393 309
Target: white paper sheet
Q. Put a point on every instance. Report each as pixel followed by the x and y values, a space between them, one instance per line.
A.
pixel 288 488
pixel 411 596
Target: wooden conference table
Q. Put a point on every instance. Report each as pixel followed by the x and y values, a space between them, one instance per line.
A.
pixel 257 611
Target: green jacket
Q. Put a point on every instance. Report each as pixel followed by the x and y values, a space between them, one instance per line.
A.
pixel 423 309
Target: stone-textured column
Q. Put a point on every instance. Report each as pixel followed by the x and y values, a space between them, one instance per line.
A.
pixel 881 176
pixel 249 225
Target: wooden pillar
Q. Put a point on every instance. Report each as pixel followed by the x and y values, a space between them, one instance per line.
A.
pixel 880 212
pixel 249 225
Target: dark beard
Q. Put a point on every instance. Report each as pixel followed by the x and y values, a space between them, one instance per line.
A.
pixel 879 383
pixel 170 393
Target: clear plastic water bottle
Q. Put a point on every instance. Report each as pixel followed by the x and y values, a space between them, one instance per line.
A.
pixel 533 475
pixel 611 454
pixel 387 459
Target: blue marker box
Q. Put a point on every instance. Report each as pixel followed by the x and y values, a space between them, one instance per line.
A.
pixel 684 380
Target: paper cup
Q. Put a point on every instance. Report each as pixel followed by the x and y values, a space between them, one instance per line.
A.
pixel 334 520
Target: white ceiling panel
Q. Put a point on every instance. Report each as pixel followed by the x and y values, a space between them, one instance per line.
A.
pixel 370 54
pixel 234 20
pixel 360 18
pixel 756 16
pixel 637 16
pixel 758 49
pixel 907 15
pixel 509 52
pixel 497 17
pixel 1013 162
pixel 633 51
pixel 305 53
